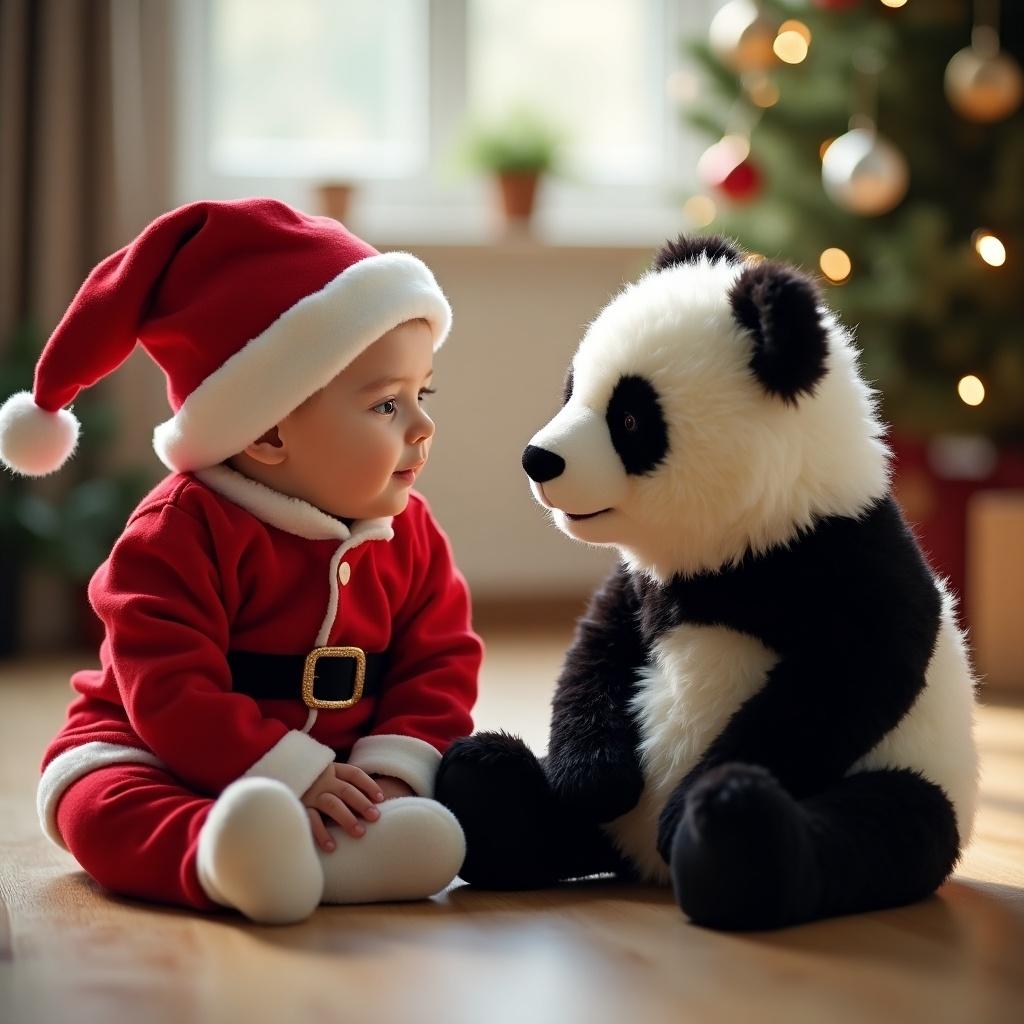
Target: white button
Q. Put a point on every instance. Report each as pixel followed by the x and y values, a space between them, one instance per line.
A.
pixel 344 573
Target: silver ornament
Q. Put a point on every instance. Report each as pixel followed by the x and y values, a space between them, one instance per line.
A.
pixel 864 173
pixel 742 37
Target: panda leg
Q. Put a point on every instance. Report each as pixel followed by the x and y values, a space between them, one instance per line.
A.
pixel 518 836
pixel 746 855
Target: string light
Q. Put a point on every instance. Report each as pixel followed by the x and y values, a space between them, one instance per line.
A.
pixel 894 3
pixel 798 27
pixel 835 264
pixel 790 46
pixel 700 210
pixel 971 390
pixel 989 248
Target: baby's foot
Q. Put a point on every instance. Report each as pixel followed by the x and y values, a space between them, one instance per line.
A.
pixel 415 849
pixel 256 853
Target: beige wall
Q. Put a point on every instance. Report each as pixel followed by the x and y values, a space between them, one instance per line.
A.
pixel 520 309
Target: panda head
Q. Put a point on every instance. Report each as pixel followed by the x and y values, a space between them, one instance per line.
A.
pixel 714 407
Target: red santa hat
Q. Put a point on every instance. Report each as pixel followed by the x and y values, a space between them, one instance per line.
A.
pixel 248 307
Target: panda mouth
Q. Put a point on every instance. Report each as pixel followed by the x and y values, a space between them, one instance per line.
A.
pixel 586 515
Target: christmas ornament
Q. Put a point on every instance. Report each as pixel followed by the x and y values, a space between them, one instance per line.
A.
pixel 864 173
pixel 984 83
pixel 742 37
pixel 861 171
pixel 836 5
pixel 727 167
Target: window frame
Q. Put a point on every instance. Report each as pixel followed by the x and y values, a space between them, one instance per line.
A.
pixel 436 204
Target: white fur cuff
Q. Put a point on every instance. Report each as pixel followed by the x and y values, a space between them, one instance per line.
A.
pixel 405 757
pixel 296 760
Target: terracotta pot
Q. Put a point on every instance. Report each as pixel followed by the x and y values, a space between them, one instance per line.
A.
pixel 518 194
pixel 334 198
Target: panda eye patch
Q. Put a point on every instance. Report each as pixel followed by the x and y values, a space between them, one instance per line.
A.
pixel 636 425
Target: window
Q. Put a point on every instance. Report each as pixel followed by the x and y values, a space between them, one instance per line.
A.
pixel 596 70
pixel 317 87
pixel 278 97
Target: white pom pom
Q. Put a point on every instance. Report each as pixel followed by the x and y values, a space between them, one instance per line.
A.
pixel 35 442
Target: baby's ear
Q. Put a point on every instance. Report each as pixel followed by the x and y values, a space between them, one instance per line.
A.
pixel 780 307
pixel 269 449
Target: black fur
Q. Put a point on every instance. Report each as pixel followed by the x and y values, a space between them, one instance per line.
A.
pixel 541 465
pixel 852 611
pixel 592 758
pixel 780 309
pixel 747 855
pixel 567 389
pixel 521 835
pixel 637 425
pixel 768 829
pixel 687 249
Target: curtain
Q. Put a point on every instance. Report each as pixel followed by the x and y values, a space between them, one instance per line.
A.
pixel 86 159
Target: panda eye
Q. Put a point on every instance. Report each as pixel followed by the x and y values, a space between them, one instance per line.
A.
pixel 629 422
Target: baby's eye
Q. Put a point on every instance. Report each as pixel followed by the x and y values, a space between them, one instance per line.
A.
pixel 387 408
pixel 426 391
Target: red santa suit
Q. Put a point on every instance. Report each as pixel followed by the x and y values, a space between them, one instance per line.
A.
pixel 249 307
pixel 212 563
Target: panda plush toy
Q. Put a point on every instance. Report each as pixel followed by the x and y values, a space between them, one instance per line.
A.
pixel 769 703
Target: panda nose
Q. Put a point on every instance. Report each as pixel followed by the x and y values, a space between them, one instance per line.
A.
pixel 542 465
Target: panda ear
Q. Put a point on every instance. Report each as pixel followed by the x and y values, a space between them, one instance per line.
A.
pixel 780 308
pixel 690 250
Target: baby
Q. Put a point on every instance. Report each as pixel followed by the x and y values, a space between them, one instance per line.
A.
pixel 288 649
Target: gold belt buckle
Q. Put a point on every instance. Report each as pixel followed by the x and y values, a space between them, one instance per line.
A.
pixel 309 676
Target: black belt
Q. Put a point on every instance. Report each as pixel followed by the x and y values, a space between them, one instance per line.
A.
pixel 327 677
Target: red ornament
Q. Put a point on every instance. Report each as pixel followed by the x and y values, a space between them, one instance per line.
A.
pixel 727 167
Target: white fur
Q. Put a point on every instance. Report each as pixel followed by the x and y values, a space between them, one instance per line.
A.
pixel 34 442
pixel 412 851
pixel 295 761
pixel 256 854
pixel 745 470
pixel 700 676
pixel 407 758
pixel 69 767
pixel 301 352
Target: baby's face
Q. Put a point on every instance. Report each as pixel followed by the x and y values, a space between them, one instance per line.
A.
pixel 355 448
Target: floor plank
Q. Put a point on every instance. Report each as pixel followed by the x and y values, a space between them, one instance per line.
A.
pixel 593 951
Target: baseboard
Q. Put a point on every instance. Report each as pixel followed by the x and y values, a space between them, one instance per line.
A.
pixel 556 613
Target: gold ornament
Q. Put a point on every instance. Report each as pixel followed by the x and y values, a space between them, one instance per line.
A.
pixel 742 37
pixel 984 87
pixel 864 173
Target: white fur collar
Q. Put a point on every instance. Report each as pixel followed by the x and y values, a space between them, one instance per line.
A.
pixel 286 513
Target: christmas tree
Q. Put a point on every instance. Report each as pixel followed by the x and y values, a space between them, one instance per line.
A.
pixel 914 220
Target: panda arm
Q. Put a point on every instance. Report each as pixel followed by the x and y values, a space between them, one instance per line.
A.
pixel 592 762
pixel 832 697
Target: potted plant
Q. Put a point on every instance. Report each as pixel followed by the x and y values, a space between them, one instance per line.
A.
pixel 517 151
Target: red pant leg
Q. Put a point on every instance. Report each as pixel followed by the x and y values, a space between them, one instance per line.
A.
pixel 135 829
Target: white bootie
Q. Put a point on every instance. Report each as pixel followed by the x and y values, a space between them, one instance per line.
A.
pixel 257 855
pixel 413 850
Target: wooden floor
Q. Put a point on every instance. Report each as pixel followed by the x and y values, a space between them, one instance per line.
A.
pixel 589 952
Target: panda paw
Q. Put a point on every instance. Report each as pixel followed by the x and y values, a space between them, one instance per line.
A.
pixel 741 857
pixel 598 789
pixel 497 789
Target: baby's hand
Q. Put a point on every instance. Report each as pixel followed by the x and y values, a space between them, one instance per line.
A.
pixel 393 787
pixel 339 790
